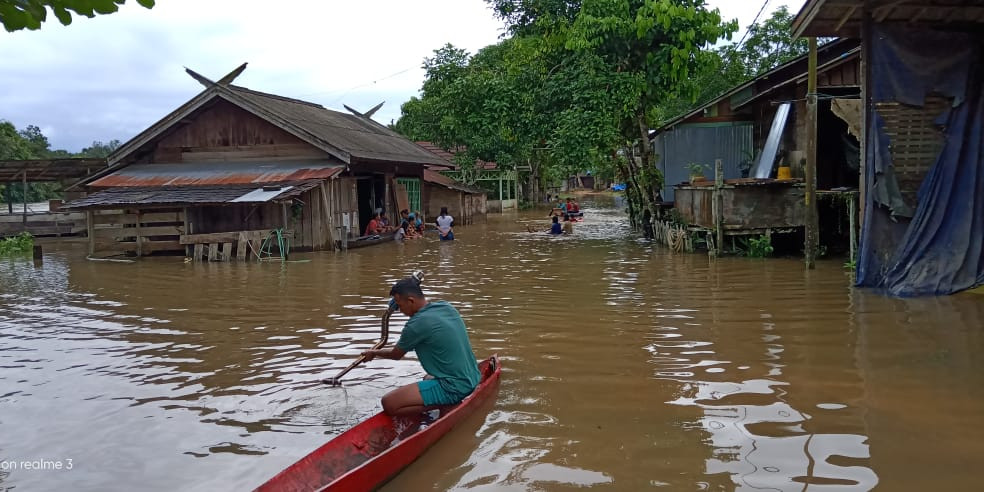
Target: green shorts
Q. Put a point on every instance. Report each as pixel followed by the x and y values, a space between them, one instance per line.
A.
pixel 433 394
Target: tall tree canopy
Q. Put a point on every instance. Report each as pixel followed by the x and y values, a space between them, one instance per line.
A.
pixel 576 83
pixel 29 14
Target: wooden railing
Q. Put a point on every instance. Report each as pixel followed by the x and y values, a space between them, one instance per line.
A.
pixel 43 224
pixel 218 246
pixel 140 233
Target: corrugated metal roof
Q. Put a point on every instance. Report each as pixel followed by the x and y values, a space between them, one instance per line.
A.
pixel 844 17
pixel 831 47
pixel 440 179
pixel 218 173
pixel 184 195
pixel 358 136
pixel 261 195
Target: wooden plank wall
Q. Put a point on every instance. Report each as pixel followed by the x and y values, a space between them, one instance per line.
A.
pixel 916 141
pixel 137 232
pixel 313 229
pixel 225 132
pixel 345 200
pixel 44 224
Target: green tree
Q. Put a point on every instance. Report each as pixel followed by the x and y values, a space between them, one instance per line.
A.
pixel 29 14
pixel 767 45
pixel 576 82
pixel 651 47
pixel 13 146
pixel 40 147
pixel 98 149
pixel 29 143
pixel 770 44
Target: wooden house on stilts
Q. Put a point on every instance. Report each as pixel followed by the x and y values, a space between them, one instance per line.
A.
pixel 233 166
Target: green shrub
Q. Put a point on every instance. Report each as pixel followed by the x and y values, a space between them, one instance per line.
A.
pixel 21 244
pixel 756 247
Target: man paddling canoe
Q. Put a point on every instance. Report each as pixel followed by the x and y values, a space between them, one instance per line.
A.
pixel 438 335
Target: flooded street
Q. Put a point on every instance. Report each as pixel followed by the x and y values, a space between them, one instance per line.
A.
pixel 625 367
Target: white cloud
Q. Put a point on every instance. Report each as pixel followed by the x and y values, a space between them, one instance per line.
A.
pixel 112 76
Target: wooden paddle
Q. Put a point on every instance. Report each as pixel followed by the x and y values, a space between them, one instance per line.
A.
pixel 384 337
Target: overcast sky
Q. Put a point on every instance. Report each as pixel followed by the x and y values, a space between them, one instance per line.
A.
pixel 112 76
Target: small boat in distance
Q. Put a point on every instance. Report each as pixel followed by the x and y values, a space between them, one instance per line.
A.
pixel 375 450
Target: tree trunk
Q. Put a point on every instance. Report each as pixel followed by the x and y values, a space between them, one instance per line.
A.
pixel 652 180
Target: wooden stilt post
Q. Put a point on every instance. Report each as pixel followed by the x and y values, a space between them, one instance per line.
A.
pixel 718 204
pixel 90 230
pixel 329 223
pixel 139 238
pixel 852 212
pixel 812 221
pixel 24 217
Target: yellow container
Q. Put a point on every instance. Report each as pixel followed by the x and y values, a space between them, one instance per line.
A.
pixel 785 172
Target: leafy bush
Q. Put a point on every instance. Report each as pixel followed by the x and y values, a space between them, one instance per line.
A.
pixel 17 245
pixel 757 247
pixel 695 169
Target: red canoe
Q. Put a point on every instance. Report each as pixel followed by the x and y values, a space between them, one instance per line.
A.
pixel 374 451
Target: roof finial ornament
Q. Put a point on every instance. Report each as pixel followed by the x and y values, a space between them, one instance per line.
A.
pixel 368 114
pixel 223 81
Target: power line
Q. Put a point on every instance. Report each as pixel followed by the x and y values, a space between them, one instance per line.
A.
pixel 754 22
pixel 346 92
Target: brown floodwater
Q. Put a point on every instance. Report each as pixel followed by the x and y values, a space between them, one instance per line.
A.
pixel 625 367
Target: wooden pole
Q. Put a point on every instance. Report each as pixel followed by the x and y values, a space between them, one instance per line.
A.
pixel 24 217
pixel 137 232
pixel 328 222
pixel 865 105
pixel 90 230
pixel 718 203
pixel 852 214
pixel 812 220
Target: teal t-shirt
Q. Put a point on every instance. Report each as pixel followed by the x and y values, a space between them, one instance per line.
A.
pixel 437 333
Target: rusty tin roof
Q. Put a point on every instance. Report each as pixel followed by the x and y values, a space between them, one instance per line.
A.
pixel 217 173
pixel 189 195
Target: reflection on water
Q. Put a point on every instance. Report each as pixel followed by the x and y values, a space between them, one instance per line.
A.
pixel 624 368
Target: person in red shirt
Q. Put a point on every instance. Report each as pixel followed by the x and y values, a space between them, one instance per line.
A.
pixel 375 226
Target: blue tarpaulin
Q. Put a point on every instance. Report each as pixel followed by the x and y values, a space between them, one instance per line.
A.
pixel 941 249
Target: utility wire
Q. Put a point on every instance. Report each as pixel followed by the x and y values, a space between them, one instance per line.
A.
pixel 346 92
pixel 754 22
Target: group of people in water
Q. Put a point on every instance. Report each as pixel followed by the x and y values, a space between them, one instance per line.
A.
pixel 411 225
pixel 569 209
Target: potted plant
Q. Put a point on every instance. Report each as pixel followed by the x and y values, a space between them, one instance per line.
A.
pixel 696 172
pixel 745 166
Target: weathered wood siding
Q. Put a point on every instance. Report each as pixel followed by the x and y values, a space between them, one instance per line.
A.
pixel 345 206
pixel 224 132
pixel 745 207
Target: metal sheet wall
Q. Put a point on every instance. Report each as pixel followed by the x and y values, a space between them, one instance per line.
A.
pixel 701 144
